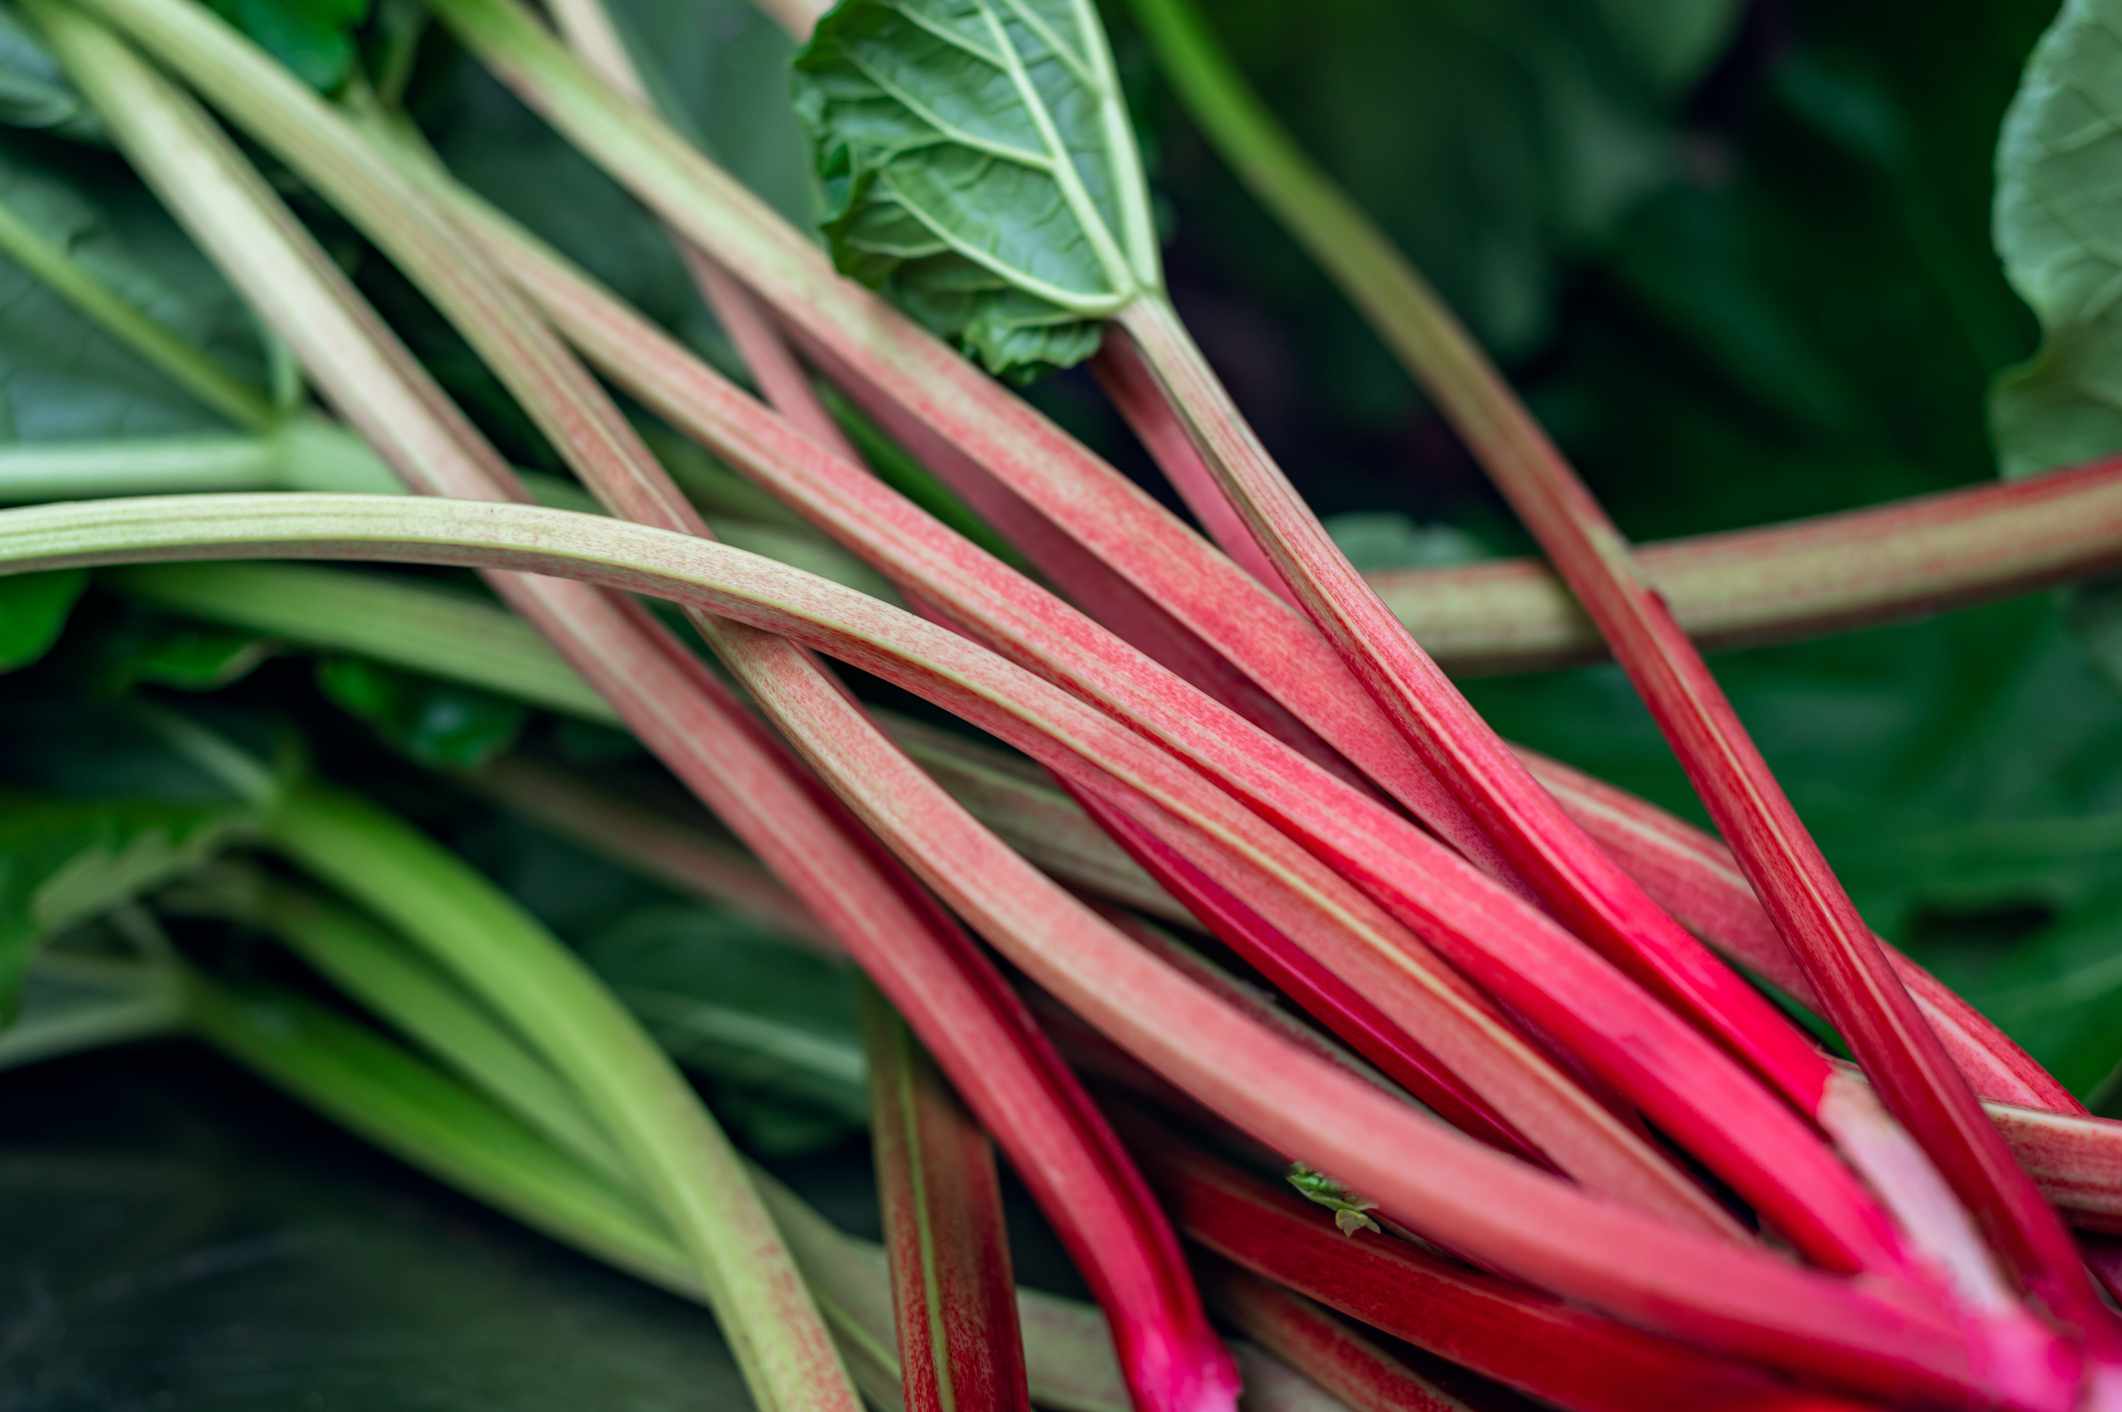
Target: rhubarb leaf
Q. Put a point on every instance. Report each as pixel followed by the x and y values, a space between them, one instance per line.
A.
pixel 2058 229
pixel 757 1015
pixel 110 802
pixel 33 612
pixel 435 722
pixel 315 38
pixel 61 375
pixel 153 650
pixel 34 93
pixel 65 861
pixel 980 168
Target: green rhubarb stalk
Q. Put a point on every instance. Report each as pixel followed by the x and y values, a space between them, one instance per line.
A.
pixel 379 970
pixel 477 933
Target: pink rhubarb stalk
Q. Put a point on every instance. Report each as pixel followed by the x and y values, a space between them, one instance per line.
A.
pixel 1345 827
pixel 1881 1334
pixel 888 360
pixel 920 957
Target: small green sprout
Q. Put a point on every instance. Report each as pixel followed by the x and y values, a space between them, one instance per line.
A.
pixel 1349 1209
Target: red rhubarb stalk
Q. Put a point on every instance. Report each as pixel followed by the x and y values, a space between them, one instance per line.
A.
pixel 1585 1362
pixel 954 1300
pixel 1852 980
pixel 1882 1335
pixel 1115 521
pixel 928 965
pixel 1364 1376
pixel 1401 866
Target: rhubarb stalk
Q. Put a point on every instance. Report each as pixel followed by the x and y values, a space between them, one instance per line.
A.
pixel 953 1298
pixel 929 966
pixel 1850 975
pixel 1880 1335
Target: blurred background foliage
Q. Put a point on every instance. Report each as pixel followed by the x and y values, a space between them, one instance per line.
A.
pixel 1736 254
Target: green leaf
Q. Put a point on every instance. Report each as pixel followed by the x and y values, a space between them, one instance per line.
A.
pixel 62 376
pixel 2059 992
pixel 979 166
pixel 762 1017
pixel 724 61
pixel 153 650
pixel 101 802
pixel 2059 233
pixel 34 92
pixel 436 723
pixel 178 1234
pixel 315 38
pixel 1350 1210
pixel 63 861
pixel 1376 541
pixel 33 612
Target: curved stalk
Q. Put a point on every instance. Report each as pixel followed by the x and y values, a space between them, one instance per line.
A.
pixel 912 947
pixel 432 629
pixel 1879 1336
pixel 1854 982
pixel 1586 1363
pixel 668 1141
pixel 1772 584
pixel 379 970
pixel 936 567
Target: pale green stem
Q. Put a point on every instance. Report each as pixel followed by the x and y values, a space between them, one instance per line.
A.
pixel 424 626
pixel 479 935
pixel 414 1110
pixel 436 1123
pixel 383 973
pixel 34 472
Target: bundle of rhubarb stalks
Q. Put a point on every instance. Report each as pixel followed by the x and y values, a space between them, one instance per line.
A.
pixel 1348 1048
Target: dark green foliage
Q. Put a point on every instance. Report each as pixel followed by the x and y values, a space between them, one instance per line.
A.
pixel 436 723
